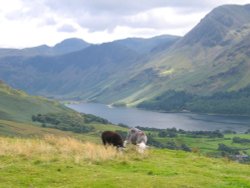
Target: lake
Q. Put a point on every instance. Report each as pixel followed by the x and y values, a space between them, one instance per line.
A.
pixel 186 121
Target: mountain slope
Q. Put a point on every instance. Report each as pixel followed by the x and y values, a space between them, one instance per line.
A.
pixel 73 74
pixel 143 46
pixel 87 74
pixel 212 29
pixel 28 116
pixel 212 57
pixel 16 105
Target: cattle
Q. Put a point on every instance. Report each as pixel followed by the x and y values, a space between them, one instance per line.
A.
pixel 112 138
pixel 137 137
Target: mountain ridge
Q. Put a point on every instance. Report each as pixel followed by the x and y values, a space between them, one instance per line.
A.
pixel 213 57
pixel 66 46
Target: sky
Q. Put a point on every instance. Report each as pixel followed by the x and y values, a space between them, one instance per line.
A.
pixel 28 23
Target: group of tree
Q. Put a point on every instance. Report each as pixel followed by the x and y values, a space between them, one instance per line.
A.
pixel 169 144
pixel 168 101
pixel 239 140
pixel 173 132
pixel 64 121
pixel 228 150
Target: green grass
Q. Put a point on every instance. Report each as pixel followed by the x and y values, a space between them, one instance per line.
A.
pixel 207 145
pixel 155 168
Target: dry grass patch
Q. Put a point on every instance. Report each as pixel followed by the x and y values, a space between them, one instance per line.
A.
pixel 50 147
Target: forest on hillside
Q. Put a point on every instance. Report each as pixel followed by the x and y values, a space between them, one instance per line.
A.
pixel 234 102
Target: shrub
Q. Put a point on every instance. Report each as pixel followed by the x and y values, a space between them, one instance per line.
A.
pixel 63 121
pixel 240 140
pixel 226 149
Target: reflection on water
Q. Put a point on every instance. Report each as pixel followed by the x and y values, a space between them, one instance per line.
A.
pixel 186 121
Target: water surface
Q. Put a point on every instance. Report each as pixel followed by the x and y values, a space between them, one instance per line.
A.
pixel 186 121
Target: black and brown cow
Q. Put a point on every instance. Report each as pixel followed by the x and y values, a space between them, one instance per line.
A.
pixel 112 138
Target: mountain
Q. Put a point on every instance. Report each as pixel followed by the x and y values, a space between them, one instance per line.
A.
pixel 210 64
pixel 215 28
pixel 70 45
pixel 72 74
pixel 212 58
pixel 66 46
pixel 84 74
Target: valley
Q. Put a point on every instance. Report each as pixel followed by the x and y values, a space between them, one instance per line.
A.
pixel 135 71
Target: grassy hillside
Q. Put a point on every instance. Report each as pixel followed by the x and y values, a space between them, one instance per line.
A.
pixel 29 116
pixel 67 162
pixel 18 106
pixel 15 129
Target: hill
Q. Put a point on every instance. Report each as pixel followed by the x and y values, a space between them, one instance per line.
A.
pixel 16 105
pixel 67 162
pixel 66 46
pixel 26 116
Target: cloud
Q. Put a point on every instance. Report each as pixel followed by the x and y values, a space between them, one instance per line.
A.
pixel 97 15
pixel 67 28
pixel 49 21
pixel 100 20
pixel 120 7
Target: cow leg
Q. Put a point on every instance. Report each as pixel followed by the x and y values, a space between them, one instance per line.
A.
pixel 104 142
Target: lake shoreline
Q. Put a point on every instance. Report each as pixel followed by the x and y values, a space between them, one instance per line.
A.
pixel 159 111
pixel 162 120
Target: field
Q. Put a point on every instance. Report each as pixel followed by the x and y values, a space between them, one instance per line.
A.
pixel 53 161
pixel 50 150
pixel 208 146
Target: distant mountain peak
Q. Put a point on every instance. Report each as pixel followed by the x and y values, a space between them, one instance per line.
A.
pixel 70 45
pixel 72 41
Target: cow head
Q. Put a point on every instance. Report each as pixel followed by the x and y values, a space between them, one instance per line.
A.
pixel 125 143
